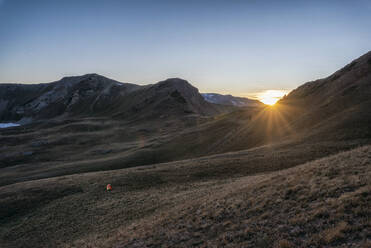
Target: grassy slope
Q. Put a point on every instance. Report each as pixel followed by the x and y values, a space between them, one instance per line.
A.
pixel 74 146
pixel 62 210
pixel 321 203
pixel 84 145
pixel 99 144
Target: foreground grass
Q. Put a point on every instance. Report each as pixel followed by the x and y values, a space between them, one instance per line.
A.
pixel 233 199
pixel 324 203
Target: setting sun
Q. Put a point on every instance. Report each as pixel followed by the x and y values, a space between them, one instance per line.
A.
pixel 270 97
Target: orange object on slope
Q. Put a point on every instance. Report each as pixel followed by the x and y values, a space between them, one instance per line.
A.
pixel 109 187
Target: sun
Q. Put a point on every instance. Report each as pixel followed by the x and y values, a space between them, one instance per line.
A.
pixel 270 97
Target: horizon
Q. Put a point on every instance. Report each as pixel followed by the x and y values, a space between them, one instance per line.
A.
pixel 239 48
pixel 254 95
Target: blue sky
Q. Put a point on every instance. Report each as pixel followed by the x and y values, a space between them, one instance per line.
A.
pixel 233 46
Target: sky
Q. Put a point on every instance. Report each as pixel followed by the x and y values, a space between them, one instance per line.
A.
pixel 233 46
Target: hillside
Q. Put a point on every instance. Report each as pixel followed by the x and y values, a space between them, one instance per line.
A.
pixel 321 203
pixel 338 102
pixel 220 199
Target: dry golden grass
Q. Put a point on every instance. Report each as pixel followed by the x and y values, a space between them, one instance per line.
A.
pixel 321 203
pixel 336 233
pixel 283 243
pixel 75 210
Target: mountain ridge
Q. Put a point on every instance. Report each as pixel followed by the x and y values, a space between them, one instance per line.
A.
pixel 93 94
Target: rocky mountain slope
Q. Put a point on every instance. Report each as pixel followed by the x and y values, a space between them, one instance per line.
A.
pixel 231 100
pixel 95 95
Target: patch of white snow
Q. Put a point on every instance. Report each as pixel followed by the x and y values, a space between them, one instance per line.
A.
pixel 6 125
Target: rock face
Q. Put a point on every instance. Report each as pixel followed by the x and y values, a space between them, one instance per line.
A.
pixel 231 100
pixel 94 95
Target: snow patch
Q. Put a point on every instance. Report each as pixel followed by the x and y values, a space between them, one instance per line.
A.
pixel 209 97
pixel 6 125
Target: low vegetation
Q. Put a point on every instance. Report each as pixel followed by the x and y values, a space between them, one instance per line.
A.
pixel 320 203
pixel 324 203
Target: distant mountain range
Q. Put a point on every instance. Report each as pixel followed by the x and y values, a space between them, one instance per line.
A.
pixel 95 95
pixel 231 100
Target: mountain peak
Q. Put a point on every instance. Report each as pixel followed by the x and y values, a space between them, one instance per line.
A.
pixel 175 81
pixel 82 77
pixel 178 84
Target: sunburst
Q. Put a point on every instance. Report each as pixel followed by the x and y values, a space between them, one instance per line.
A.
pixel 270 97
